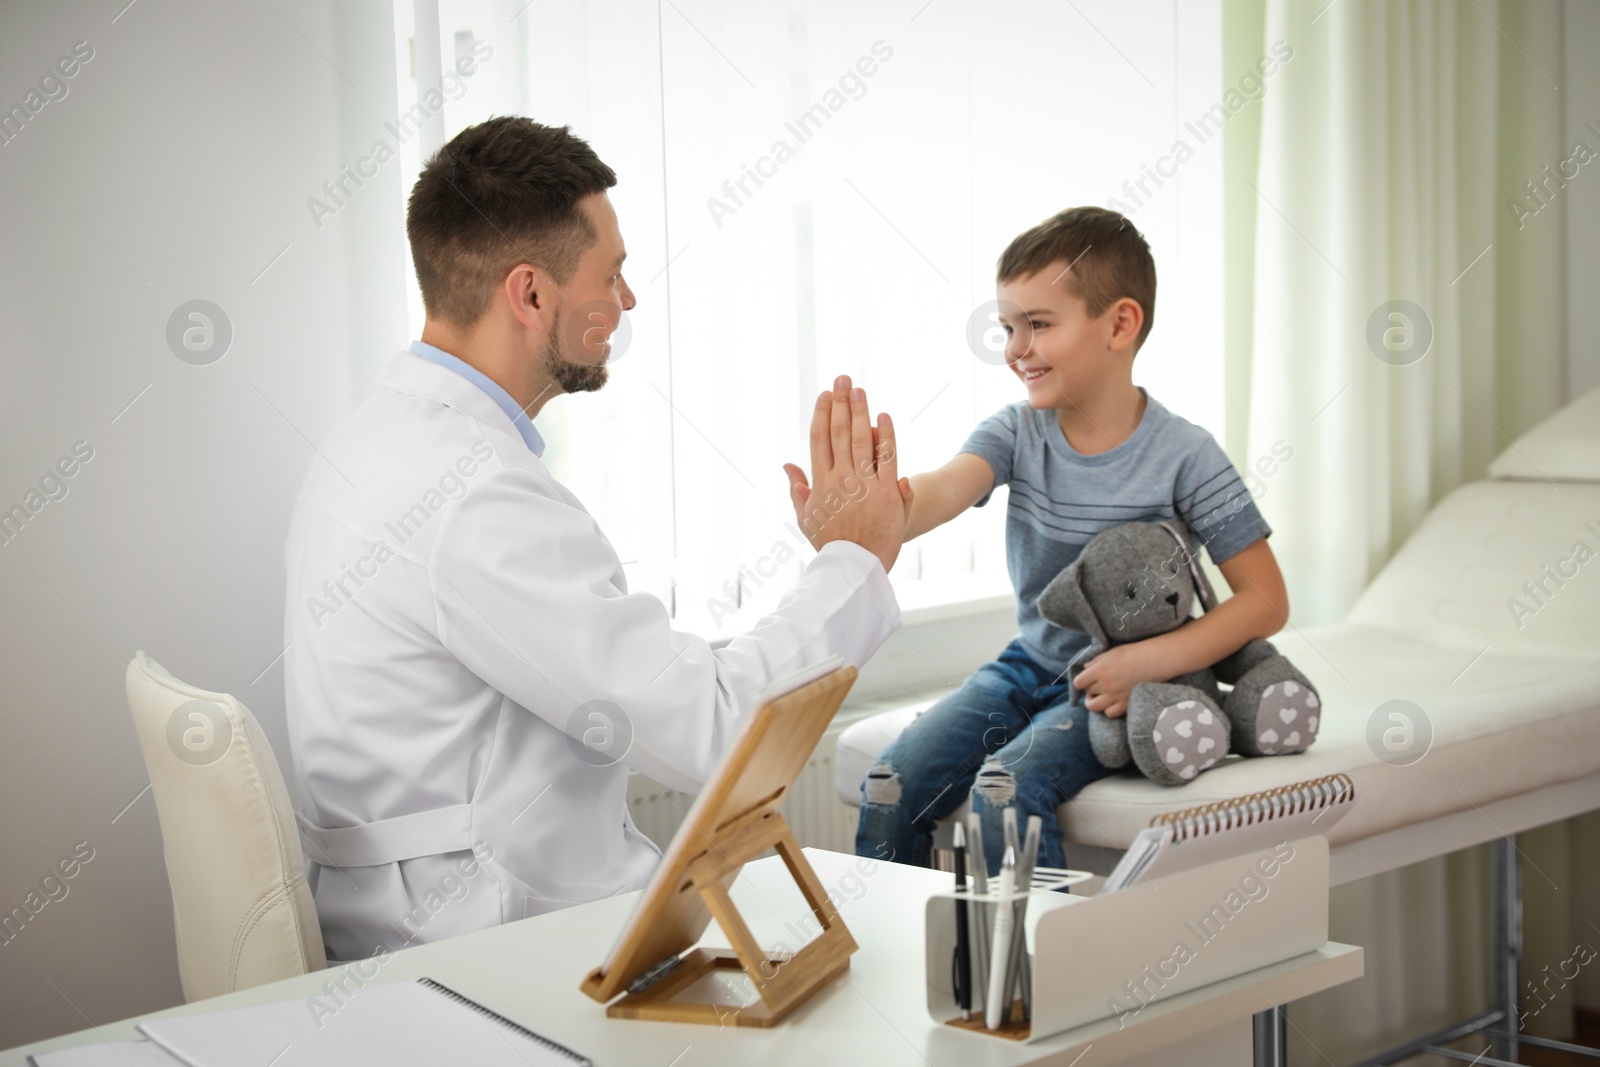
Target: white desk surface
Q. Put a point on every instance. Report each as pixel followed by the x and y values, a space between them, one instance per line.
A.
pixel 875 1014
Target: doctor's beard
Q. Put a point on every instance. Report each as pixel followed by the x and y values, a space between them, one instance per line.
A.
pixel 571 375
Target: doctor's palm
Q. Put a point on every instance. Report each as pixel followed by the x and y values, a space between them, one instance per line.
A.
pixel 855 492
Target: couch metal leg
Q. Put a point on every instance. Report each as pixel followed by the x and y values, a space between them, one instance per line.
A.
pixel 1453 1032
pixel 1500 1024
pixel 1505 905
pixel 1564 1046
pixel 1272 1037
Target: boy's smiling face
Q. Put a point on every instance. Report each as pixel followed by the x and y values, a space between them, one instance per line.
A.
pixel 1062 354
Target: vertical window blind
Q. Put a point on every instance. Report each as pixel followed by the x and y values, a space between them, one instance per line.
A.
pixel 823 187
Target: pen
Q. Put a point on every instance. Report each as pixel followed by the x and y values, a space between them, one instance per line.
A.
pixel 963 971
pixel 1001 945
pixel 1023 977
pixel 1018 908
pixel 979 871
pixel 1008 824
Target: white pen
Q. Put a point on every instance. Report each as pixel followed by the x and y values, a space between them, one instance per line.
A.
pixel 1001 944
pixel 1026 862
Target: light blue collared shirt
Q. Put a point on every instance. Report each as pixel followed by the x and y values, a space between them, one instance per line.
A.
pixel 513 410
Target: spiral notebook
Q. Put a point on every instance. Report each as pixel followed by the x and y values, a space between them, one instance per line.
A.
pixel 401 1022
pixel 1183 839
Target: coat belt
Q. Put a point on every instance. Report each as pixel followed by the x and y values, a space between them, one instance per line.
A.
pixel 404 837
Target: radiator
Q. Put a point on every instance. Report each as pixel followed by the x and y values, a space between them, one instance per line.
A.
pixel 812 809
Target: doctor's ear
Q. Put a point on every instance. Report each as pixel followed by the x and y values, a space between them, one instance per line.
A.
pixel 530 292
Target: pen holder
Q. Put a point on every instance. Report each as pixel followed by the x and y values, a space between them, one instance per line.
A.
pixel 1041 895
pixel 1112 955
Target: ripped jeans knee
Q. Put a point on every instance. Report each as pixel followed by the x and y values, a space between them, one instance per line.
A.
pixel 882 785
pixel 995 784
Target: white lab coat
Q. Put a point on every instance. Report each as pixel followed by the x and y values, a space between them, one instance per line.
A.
pixel 454 619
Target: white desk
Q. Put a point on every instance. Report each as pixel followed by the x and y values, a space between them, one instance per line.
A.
pixel 875 1015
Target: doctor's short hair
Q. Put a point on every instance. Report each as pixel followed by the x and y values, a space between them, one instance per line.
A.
pixel 501 193
pixel 1109 259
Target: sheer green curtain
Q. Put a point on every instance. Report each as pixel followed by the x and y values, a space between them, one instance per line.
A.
pixel 1393 320
pixel 1379 169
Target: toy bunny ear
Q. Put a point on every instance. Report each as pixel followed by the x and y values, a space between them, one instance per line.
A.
pixel 1064 604
pixel 1202 585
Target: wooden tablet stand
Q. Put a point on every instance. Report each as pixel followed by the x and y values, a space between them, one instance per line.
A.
pixel 783 980
pixel 735 819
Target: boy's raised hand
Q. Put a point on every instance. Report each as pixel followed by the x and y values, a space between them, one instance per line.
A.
pixel 855 492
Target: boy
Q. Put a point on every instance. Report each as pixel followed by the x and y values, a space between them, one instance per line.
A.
pixel 1087 450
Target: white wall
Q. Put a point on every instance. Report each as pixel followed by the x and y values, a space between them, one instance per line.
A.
pixel 176 167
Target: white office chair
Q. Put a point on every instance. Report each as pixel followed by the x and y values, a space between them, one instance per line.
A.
pixel 240 904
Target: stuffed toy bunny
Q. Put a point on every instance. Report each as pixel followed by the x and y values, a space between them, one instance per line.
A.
pixel 1141 579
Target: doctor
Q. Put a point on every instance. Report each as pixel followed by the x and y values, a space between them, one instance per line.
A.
pixel 468 677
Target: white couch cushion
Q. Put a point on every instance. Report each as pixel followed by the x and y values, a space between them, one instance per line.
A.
pixel 1486 549
pixel 1564 447
pixel 1501 725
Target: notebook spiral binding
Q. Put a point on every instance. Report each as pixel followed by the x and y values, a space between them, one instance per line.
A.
pixel 1255 808
pixel 468 1002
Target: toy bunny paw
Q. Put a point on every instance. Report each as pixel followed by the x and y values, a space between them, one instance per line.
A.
pixel 1108 739
pixel 1274 709
pixel 1175 732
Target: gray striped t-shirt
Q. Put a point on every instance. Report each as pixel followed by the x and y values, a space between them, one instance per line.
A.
pixel 1060 498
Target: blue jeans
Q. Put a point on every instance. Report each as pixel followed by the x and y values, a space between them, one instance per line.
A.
pixel 1011 729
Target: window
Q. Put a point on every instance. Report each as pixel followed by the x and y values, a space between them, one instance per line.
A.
pixel 816 188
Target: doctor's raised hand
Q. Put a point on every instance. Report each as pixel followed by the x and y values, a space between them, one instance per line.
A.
pixel 855 492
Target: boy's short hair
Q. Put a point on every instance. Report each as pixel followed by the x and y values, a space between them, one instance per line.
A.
pixel 500 193
pixel 1108 256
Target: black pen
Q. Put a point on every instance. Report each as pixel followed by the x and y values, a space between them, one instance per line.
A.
pixel 963 968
